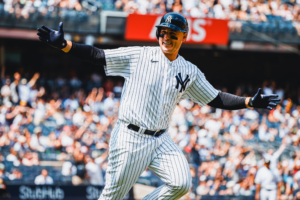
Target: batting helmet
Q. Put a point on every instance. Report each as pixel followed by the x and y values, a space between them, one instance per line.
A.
pixel 173 21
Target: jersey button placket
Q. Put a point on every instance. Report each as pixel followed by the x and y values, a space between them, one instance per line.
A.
pixel 164 71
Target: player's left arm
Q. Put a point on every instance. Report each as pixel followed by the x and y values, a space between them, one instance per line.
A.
pixel 232 102
pixel 202 92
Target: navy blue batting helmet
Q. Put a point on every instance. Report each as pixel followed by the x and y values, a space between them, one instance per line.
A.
pixel 173 21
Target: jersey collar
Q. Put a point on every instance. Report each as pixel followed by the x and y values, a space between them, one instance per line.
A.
pixel 166 59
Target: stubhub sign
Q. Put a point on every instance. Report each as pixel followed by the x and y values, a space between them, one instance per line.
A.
pixel 201 30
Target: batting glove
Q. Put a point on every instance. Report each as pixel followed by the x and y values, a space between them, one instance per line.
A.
pixel 52 37
pixel 264 101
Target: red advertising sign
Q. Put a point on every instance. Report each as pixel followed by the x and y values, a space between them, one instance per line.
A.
pixel 201 30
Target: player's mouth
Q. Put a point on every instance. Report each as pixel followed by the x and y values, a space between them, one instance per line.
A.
pixel 166 43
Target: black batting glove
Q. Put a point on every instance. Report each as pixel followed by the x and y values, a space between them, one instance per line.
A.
pixel 264 101
pixel 52 37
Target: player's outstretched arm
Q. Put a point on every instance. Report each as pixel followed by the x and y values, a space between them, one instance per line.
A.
pixel 233 102
pixel 263 101
pixel 85 52
pixel 53 38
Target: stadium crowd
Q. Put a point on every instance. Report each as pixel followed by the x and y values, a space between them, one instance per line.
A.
pixel 68 122
pixel 253 10
pixel 263 16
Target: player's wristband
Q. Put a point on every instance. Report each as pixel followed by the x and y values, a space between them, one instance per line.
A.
pixel 250 103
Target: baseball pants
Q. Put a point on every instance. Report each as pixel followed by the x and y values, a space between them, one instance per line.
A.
pixel 268 194
pixel 130 153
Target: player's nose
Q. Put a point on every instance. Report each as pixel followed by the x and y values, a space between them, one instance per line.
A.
pixel 167 36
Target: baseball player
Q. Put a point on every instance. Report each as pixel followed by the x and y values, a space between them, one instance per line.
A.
pixel 267 182
pixel 156 79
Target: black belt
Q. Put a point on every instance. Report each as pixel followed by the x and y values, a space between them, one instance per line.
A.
pixel 147 132
pixel 269 189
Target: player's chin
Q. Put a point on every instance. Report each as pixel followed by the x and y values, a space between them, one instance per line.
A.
pixel 168 48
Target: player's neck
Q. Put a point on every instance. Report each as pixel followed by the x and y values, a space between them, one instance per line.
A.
pixel 172 56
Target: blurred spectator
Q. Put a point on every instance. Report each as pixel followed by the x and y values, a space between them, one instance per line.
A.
pixel 93 169
pixel 30 158
pixel 267 182
pixel 2 189
pixel 3 174
pixel 16 174
pixel 24 88
pixel 5 91
pixel 43 178
pixel 14 91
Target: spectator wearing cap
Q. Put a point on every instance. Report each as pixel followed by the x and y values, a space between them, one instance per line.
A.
pixel 267 182
pixel 43 178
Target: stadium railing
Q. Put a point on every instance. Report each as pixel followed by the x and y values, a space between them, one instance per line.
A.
pixel 74 21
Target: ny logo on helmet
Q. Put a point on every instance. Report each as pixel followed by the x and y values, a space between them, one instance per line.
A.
pixel 169 18
pixel 181 82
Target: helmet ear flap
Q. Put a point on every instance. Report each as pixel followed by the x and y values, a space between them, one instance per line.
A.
pixel 157 33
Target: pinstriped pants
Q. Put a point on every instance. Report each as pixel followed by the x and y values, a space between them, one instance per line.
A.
pixel 130 153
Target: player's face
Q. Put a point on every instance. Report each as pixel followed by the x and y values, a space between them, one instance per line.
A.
pixel 171 41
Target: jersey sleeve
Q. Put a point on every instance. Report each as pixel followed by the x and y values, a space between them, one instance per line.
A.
pixel 121 61
pixel 257 177
pixel 200 91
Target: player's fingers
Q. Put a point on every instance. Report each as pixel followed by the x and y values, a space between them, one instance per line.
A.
pixel 269 107
pixel 60 27
pixel 42 31
pixel 272 104
pixel 270 96
pixel 259 91
pixel 42 34
pixel 46 28
pixel 275 100
pixel 43 39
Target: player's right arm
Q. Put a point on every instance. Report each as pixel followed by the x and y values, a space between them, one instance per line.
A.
pixel 84 52
pixel 257 181
pixel 257 191
pixel 116 62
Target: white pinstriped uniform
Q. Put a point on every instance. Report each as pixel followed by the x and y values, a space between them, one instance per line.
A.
pixel 150 94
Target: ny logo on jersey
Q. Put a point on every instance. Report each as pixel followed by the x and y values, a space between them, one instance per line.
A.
pixel 182 83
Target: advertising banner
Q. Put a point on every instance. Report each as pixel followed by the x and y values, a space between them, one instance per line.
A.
pixel 201 30
pixel 57 192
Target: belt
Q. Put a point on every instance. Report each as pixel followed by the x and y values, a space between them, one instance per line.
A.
pixel 269 189
pixel 147 132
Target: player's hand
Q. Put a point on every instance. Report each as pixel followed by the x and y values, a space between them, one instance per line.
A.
pixel 52 37
pixel 264 101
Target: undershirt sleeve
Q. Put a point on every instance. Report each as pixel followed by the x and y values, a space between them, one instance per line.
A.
pixel 88 53
pixel 228 101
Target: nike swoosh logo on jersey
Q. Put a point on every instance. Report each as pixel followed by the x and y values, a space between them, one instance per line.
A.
pixel 153 60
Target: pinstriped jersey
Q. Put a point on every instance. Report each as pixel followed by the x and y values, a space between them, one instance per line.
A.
pixel 154 85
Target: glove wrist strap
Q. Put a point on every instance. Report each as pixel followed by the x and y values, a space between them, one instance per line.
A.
pixel 64 44
pixel 250 102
